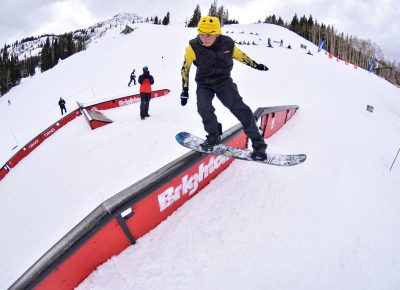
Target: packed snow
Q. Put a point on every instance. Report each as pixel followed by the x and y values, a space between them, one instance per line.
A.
pixel 329 223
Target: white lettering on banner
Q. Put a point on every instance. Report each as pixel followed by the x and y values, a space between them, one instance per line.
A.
pixel 33 144
pixel 190 184
pixel 48 133
pixel 128 101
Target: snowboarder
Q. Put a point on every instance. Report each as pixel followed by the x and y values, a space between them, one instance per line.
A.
pixel 213 55
pixel 145 81
pixel 61 103
pixel 9 102
pixel 133 78
pixel 269 42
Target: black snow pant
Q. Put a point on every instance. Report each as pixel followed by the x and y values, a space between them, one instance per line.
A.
pixel 63 108
pixel 144 104
pixel 132 80
pixel 228 94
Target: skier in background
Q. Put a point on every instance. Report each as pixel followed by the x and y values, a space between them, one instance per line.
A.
pixel 61 103
pixel 213 55
pixel 133 78
pixel 145 80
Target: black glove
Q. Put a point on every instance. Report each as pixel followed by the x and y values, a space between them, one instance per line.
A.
pixel 184 97
pixel 260 66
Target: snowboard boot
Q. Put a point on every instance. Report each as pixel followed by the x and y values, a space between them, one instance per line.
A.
pixel 259 148
pixel 220 129
pixel 210 142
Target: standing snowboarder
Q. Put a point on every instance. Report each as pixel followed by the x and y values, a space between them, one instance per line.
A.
pixel 145 81
pixel 61 103
pixel 132 79
pixel 213 55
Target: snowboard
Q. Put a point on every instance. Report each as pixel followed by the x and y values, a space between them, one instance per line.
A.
pixel 193 142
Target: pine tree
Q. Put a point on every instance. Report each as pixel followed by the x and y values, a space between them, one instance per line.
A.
pixel 31 64
pixel 213 9
pixel 196 17
pixel 56 52
pixel 166 19
pixel 45 56
pixel 3 71
pixel 15 73
pixel 220 15
pixel 5 53
pixel 294 25
pixel 225 17
pixel 310 21
pixel 70 45
pixel 80 45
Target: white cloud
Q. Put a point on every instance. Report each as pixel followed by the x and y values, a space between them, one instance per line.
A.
pixel 377 20
pixel 66 16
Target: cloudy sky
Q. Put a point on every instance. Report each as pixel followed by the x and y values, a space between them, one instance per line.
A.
pixel 378 20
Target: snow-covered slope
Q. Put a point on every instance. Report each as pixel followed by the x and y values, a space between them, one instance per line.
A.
pixel 32 46
pixel 331 222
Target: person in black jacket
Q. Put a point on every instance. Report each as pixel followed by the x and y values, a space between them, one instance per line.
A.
pixel 213 54
pixel 61 103
pixel 132 79
pixel 145 81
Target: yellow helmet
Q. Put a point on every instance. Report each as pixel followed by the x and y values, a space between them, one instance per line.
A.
pixel 209 25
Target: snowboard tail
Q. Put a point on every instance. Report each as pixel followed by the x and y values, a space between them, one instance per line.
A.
pixel 193 142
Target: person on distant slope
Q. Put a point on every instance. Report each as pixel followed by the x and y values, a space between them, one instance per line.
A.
pixel 213 54
pixel 145 80
pixel 132 78
pixel 61 103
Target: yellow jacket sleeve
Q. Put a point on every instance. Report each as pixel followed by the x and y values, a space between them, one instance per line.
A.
pixel 243 58
pixel 190 57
